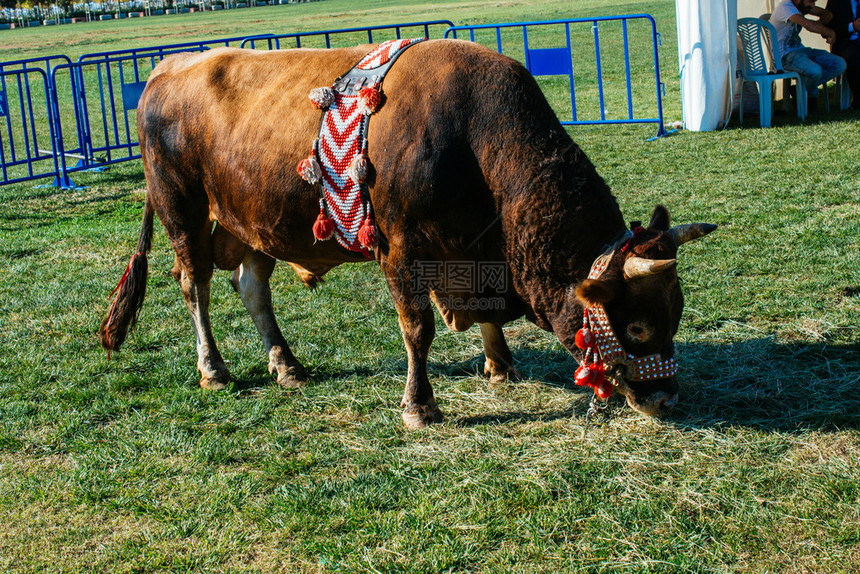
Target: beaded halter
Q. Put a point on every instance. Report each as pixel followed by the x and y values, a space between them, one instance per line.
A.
pixel 339 158
pixel 603 351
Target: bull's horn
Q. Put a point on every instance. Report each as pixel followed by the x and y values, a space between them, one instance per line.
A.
pixel 641 267
pixel 690 231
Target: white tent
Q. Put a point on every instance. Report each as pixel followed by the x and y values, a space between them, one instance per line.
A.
pixel 707 51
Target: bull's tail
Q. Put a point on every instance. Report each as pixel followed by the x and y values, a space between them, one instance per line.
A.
pixel 129 292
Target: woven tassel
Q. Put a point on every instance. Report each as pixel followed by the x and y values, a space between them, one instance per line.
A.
pixel 604 389
pixel 369 100
pixel 357 170
pixel 599 372
pixel 309 169
pixel 324 225
pixel 368 235
pixel 321 98
pixel 590 375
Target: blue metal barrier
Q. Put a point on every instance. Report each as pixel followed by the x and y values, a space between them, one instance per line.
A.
pixel 103 132
pixel 558 61
pixel 112 138
pixel 26 126
pixel 160 52
pixel 22 156
pixel 43 63
pixel 87 115
pixel 273 41
pixel 37 139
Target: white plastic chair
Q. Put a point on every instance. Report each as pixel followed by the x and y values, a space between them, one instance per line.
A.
pixel 762 63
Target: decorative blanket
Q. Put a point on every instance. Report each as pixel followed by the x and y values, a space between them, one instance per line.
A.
pixel 339 158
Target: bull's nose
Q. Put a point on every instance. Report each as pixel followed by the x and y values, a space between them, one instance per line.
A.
pixel 666 404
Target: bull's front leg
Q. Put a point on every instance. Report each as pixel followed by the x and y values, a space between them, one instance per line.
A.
pixel 251 281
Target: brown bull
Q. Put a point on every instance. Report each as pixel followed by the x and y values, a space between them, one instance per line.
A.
pixel 470 165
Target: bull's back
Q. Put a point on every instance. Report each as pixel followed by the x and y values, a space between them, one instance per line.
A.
pixel 228 91
pixel 259 98
pixel 235 123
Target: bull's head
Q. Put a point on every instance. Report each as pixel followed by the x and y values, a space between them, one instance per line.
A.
pixel 637 287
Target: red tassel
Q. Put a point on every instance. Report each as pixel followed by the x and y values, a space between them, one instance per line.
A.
pixel 309 169
pixel 599 374
pixel 369 100
pixel 323 226
pixel 115 289
pixel 584 338
pixel 584 376
pixel 604 390
pixel 368 235
pixel 593 375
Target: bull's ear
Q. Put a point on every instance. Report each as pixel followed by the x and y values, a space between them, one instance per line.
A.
pixel 594 291
pixel 659 219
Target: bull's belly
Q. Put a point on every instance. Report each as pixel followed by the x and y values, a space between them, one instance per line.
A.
pixel 462 310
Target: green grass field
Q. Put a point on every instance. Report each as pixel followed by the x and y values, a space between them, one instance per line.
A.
pixel 125 465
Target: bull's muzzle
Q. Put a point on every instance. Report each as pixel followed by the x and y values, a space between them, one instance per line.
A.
pixel 650 402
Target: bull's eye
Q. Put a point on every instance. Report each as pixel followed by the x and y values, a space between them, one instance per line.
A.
pixel 638 332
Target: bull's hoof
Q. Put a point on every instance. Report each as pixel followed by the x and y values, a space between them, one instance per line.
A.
pixel 500 377
pixel 417 416
pixel 214 383
pixel 291 377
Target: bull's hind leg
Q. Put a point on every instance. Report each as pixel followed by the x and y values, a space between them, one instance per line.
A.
pixel 251 281
pixel 499 364
pixel 194 279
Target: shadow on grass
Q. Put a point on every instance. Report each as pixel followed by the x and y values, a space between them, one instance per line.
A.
pixel 783 118
pixel 249 384
pixel 769 385
pixel 578 411
pixel 759 383
pixel 69 211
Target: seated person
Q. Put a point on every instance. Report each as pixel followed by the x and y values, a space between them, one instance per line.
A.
pixel 814 66
pixel 846 25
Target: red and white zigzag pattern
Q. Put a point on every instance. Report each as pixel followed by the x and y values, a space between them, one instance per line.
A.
pixel 382 53
pixel 341 141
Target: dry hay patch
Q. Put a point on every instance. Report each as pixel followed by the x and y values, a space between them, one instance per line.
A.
pixel 823 448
